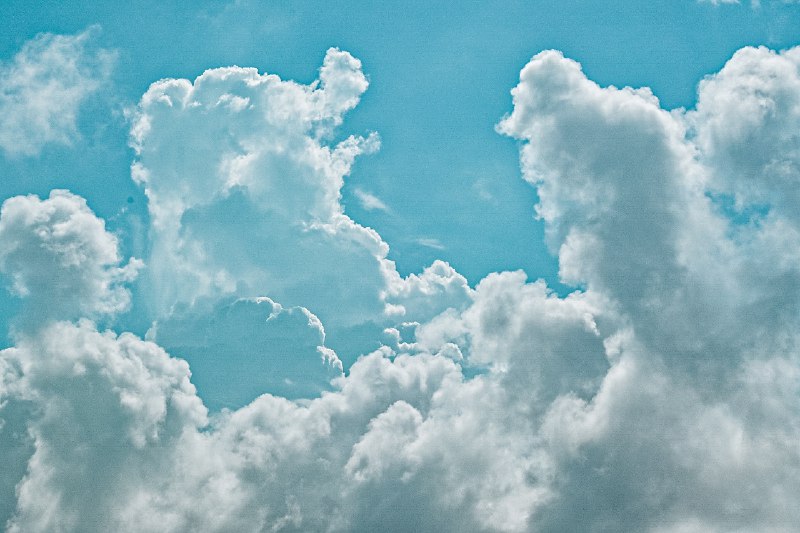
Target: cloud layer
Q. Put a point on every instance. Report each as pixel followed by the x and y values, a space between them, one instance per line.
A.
pixel 660 396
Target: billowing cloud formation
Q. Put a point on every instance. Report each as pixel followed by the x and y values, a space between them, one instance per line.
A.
pixel 248 203
pixel 103 402
pixel 59 256
pixel 747 118
pixel 253 148
pixel 42 89
pixel 659 397
pixel 708 301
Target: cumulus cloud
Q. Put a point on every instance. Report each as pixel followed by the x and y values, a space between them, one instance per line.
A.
pixel 43 87
pixel 256 145
pixel 623 186
pixel 746 122
pixel 59 257
pixel 248 204
pixel 420 297
pixel 106 405
pixel 660 396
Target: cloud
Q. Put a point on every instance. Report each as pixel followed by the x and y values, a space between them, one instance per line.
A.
pixel 755 4
pixel 622 189
pixel 745 120
pixel 430 242
pixel 255 145
pixel 368 201
pixel 622 197
pixel 59 257
pixel 660 396
pixel 109 408
pixel 260 148
pixel 43 88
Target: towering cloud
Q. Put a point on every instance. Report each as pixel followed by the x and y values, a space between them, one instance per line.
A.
pixel 247 205
pixel 628 197
pixel 248 202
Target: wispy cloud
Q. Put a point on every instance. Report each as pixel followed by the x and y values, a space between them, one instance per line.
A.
pixel 43 88
pixel 369 201
pixel 430 242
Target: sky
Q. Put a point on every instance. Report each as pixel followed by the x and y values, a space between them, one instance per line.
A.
pixel 344 266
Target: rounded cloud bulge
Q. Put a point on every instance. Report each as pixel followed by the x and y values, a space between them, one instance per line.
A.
pixel 659 395
pixel 58 256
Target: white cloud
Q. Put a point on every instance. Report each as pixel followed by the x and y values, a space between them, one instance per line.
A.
pixel 59 257
pixel 254 145
pixel 755 4
pixel 369 201
pixel 622 197
pixel 430 242
pixel 248 204
pixel 108 408
pixel 746 126
pixel 622 192
pixel 420 297
pixel 661 397
pixel 43 87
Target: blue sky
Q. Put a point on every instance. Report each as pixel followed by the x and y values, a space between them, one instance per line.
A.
pixel 306 266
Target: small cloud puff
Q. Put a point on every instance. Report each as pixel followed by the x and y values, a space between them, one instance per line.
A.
pixel 255 343
pixel 43 88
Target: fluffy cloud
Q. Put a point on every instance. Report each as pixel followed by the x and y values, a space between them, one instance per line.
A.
pixel 623 197
pixel 755 4
pixel 42 89
pixel 255 145
pixel 661 396
pixel 746 121
pixel 624 189
pixel 248 203
pixel 59 257
pixel 108 408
